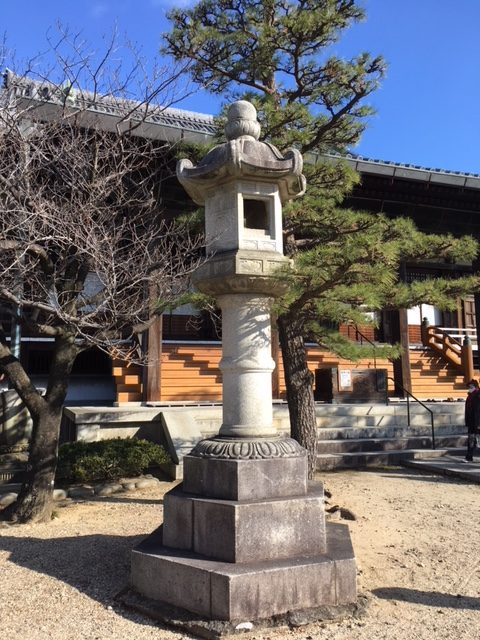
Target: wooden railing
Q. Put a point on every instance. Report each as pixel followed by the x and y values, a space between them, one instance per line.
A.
pixel 460 334
pixel 449 344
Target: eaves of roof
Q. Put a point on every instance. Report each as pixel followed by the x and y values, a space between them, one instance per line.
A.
pixel 172 125
pixel 410 171
pixel 151 121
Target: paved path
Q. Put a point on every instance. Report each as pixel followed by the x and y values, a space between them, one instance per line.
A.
pixel 449 466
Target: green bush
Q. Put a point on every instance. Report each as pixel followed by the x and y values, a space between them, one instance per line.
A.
pixel 107 459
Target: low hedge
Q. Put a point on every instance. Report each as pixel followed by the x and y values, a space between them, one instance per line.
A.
pixel 107 459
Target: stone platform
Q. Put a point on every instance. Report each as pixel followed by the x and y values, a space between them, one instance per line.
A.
pixel 245 539
pixel 239 592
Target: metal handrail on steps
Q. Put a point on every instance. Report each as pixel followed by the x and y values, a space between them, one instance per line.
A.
pixel 460 333
pixel 362 338
pixel 410 395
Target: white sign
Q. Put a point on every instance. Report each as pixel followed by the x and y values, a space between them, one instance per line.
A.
pixel 345 379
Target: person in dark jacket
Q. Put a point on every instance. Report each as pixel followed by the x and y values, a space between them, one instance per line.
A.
pixel 472 418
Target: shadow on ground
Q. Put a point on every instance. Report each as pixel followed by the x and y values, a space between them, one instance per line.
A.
pixel 96 565
pixel 398 472
pixel 428 598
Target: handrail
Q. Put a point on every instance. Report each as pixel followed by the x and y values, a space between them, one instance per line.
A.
pixel 410 395
pixel 452 350
pixel 468 330
pixel 444 344
pixel 460 333
pixel 364 337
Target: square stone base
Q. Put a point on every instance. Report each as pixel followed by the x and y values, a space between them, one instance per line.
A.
pixel 248 531
pixel 245 479
pixel 249 591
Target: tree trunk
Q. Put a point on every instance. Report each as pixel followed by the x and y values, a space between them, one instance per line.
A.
pixel 34 502
pixel 299 382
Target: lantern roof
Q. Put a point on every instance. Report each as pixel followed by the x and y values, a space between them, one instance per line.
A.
pixel 243 156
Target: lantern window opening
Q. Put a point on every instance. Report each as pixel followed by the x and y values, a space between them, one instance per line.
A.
pixel 257 215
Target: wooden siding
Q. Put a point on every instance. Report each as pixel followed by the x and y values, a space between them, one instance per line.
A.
pixel 191 372
pixel 433 378
pixel 128 380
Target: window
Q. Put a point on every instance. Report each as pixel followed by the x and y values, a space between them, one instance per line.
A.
pixel 255 214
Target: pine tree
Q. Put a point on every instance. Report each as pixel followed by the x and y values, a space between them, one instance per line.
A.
pixel 278 54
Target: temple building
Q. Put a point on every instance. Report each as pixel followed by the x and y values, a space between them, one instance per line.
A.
pixel 185 344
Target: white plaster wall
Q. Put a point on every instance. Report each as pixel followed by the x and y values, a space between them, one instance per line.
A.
pixel 428 311
pixel 184 310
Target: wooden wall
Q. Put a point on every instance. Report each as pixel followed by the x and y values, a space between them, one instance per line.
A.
pixel 433 378
pixel 128 380
pixel 190 372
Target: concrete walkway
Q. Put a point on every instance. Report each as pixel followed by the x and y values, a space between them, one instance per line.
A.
pixel 449 466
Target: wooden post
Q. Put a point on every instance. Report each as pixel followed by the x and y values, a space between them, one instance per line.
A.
pixel 404 338
pixel 154 366
pixel 476 299
pixel 467 359
pixel 405 343
pixel 424 331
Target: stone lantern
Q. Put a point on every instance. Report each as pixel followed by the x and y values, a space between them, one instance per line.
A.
pixel 244 538
pixel 243 184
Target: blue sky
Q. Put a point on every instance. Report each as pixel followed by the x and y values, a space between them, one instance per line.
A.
pixel 427 109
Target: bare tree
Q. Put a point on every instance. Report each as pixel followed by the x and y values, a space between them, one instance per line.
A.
pixel 83 240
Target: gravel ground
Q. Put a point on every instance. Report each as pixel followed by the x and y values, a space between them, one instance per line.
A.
pixel 416 538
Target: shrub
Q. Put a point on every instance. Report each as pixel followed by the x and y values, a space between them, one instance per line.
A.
pixel 107 459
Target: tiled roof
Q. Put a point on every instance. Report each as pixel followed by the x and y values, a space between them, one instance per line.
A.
pixel 410 171
pixel 174 124
pixel 43 94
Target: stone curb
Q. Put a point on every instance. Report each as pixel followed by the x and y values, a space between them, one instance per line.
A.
pixel 448 466
pixel 85 491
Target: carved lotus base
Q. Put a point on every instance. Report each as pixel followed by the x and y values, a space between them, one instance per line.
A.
pixel 248 448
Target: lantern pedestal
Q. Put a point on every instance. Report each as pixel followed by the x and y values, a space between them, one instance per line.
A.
pixel 254 547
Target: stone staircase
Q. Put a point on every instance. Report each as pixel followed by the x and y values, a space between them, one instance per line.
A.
pixel 357 436
pixel 349 436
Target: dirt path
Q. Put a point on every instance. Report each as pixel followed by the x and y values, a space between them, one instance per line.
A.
pixel 416 538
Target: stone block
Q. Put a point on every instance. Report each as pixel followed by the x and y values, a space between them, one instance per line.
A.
pixel 7 499
pixel 15 420
pixel 245 479
pixel 247 270
pixel 259 530
pixel 271 589
pixel 177 579
pixel 181 433
pixel 340 550
pixel 227 591
pixel 178 519
pixel 234 531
